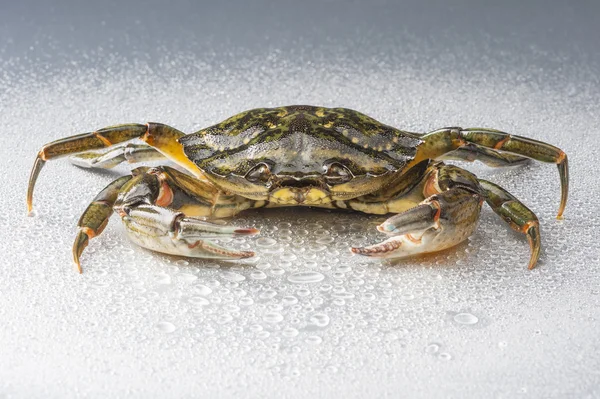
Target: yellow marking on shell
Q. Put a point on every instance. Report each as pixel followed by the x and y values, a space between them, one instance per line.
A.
pixel 365 146
pixel 355 140
pixel 246 140
pixel 172 149
pixel 345 133
pixel 395 140
pixel 271 125
pixel 388 147
pixel 320 113
pixel 315 195
pixel 328 125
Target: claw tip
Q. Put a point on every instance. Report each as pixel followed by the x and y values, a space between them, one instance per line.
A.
pixel 358 251
pixel 248 231
pixel 247 254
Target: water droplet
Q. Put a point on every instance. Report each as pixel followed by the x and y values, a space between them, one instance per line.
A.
pixel 314 340
pixel 319 319
pixel 288 257
pixel 198 301
pixel 263 265
pixel 232 276
pixel 325 240
pixel 306 277
pixel 272 317
pixel 265 242
pixel 187 277
pixel 289 300
pixel 432 348
pixel 163 278
pixel 289 332
pixel 444 356
pixel 201 289
pixel 258 275
pixel 246 301
pixel 165 327
pixel 466 318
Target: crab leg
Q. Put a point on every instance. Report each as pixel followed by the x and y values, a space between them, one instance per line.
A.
pixel 147 203
pixel 162 137
pixel 472 152
pixel 131 153
pixel 517 215
pixel 95 218
pixel 449 215
pixel 440 142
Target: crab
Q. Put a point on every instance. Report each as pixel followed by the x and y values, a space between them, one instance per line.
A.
pixel 334 158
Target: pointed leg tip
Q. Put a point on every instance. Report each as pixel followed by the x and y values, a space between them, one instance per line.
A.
pixel 77 265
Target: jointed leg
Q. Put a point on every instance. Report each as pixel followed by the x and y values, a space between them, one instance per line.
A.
pixel 440 142
pixel 517 215
pixel 151 205
pixel 447 214
pixel 163 138
pixel 95 218
pixel 131 153
pixel 472 152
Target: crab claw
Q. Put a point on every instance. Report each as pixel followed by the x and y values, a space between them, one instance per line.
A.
pixel 167 231
pixel 439 222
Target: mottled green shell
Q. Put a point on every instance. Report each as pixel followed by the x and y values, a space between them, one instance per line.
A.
pixel 298 140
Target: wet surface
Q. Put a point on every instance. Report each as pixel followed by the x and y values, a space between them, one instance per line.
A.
pixel 305 317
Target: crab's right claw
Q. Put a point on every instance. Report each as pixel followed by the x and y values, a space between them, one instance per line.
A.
pixel 439 222
pixel 167 231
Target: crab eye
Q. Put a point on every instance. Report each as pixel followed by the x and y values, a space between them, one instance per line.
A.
pixel 337 173
pixel 259 173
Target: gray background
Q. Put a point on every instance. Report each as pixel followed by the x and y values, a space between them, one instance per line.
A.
pixel 468 322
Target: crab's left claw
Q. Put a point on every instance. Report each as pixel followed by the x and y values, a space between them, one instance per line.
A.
pixel 165 230
pixel 439 222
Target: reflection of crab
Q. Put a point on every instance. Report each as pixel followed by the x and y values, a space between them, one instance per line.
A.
pixel 300 156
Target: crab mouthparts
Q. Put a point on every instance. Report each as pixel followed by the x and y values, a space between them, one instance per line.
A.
pixel 300 195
